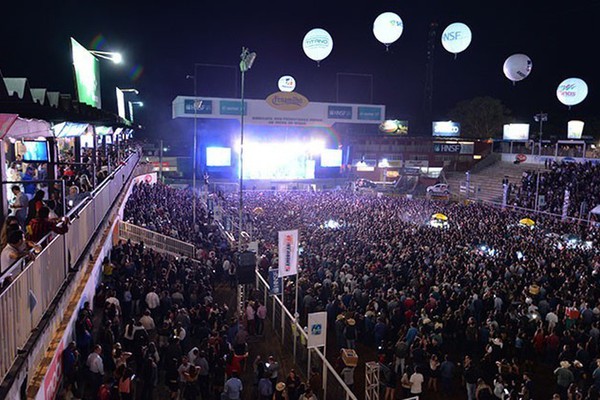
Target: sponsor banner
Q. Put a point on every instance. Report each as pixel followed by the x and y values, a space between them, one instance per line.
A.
pixel 454 147
pixel 232 107
pixel 446 128
pixel 370 113
pixel 281 109
pixel 516 132
pixel 542 159
pixel 317 329
pixel 288 253
pixel 287 101
pixel 150 178
pixel 275 282
pixel 416 163
pixel 566 203
pixel 200 106
pixel 339 112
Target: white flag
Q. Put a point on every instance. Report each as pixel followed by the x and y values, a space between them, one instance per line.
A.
pixel 288 253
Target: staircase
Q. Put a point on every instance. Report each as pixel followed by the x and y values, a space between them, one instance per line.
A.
pixel 487 183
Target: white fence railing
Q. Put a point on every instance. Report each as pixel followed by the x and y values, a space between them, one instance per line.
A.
pixel 293 336
pixel 156 241
pixel 35 285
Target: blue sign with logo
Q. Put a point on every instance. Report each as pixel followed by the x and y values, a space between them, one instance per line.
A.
pixel 446 128
pixel 369 113
pixel 191 106
pixel 275 282
pixel 232 107
pixel 339 112
pixel 316 329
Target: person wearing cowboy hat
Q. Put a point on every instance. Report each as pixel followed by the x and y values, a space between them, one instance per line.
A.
pixel 564 378
pixel 280 392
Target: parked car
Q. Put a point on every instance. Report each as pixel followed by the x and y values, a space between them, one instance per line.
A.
pixel 439 188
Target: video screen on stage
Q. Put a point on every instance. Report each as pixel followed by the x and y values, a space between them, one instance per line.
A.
pixel 331 158
pixel 218 156
pixel 278 161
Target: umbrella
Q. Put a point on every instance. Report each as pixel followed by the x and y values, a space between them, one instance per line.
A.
pixel 527 222
pixel 258 210
pixel 439 216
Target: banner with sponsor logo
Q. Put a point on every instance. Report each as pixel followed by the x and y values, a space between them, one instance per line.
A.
pixel 150 178
pixel 280 109
pixel 275 282
pixel 446 128
pixel 288 253
pixel 454 147
pixel 566 203
pixel 317 329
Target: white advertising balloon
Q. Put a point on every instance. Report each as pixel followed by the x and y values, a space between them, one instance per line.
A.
pixel 388 28
pixel 517 67
pixel 286 83
pixel 456 37
pixel 317 44
pixel 572 91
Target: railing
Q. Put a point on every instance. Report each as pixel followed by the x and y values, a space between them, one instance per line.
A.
pixel 293 336
pixel 34 285
pixel 156 241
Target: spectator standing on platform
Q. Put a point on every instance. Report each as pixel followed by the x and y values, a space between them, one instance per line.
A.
pixel 41 225
pixel 20 205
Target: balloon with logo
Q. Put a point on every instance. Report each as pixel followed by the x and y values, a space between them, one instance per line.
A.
pixel 388 28
pixel 572 91
pixel 517 67
pixel 317 44
pixel 456 38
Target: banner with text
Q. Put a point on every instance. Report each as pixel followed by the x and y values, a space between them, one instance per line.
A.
pixel 280 108
pixel 288 253
pixel 317 329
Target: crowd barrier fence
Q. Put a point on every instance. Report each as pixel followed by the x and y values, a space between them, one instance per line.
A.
pixel 156 241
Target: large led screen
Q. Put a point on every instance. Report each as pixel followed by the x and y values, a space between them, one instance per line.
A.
pixel 218 156
pixel 331 158
pixel 277 161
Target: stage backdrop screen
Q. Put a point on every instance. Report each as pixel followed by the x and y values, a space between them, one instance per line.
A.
pixel 35 151
pixel 331 158
pixel 218 156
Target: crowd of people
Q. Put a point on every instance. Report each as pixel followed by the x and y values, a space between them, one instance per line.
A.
pixel 582 180
pixel 484 297
pixel 36 206
pixel 162 333
pixel 482 305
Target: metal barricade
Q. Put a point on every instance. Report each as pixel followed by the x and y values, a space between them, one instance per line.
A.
pixel 34 285
pixel 293 336
pixel 155 240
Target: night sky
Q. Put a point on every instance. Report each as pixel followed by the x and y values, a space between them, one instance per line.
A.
pixel 161 41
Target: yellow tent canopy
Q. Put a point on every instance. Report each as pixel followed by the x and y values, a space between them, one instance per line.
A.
pixel 439 216
pixel 527 222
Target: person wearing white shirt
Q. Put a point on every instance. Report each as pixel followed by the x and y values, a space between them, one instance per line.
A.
pixel 152 300
pixel 147 321
pixel 416 382
pixel 96 366
pixel 552 319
